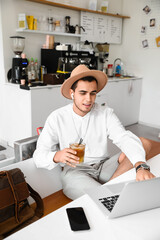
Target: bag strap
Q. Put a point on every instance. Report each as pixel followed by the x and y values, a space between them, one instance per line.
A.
pixel 12 186
pixel 39 211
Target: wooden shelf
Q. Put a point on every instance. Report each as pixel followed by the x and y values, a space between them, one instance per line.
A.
pixel 48 33
pixel 60 5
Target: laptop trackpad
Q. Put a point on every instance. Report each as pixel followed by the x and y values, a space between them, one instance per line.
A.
pixel 116 188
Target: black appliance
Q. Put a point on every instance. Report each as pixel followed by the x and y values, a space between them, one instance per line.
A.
pixel 65 61
pixel 19 64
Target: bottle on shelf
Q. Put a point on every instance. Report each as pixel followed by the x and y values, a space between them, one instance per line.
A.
pixel 118 70
pixel 33 74
pixel 29 73
pixel 36 69
pixel 42 71
pixel 110 70
pixel 24 69
pixel 67 24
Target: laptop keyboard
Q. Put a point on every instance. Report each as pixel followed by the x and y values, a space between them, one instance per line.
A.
pixel 109 202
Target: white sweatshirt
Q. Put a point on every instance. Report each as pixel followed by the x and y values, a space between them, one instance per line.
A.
pixel 64 126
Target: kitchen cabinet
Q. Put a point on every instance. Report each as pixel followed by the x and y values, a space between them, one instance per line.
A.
pixel 124 97
pixel 29 109
pixel 43 102
pixel 34 106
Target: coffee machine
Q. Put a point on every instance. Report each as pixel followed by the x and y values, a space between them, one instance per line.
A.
pixel 57 61
pixel 19 64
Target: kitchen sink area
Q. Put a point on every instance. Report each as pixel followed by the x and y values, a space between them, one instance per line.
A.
pixel 122 78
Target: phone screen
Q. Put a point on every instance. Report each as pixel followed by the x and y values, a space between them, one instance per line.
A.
pixel 77 219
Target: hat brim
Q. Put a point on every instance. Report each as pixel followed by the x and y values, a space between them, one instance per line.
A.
pixel 99 75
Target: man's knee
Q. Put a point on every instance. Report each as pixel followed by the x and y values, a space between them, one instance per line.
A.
pixel 123 167
pixel 126 163
pixel 121 157
pixel 146 144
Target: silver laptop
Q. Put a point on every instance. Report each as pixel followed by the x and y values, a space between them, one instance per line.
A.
pixel 127 198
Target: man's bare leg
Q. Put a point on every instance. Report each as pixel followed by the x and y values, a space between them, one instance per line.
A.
pixel 124 163
pixel 123 167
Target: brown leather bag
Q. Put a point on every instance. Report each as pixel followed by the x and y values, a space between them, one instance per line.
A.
pixel 15 211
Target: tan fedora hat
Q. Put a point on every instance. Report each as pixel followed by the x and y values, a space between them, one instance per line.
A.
pixel 80 72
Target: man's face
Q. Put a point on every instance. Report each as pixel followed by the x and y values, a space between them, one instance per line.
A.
pixel 84 97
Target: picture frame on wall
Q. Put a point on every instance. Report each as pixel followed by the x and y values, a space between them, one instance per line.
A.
pixel 152 22
pixel 147 9
pixel 143 29
pixel 145 43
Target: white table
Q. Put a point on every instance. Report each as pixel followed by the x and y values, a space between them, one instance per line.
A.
pixel 140 226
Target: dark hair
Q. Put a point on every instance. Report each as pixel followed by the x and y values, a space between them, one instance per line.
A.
pixel 88 78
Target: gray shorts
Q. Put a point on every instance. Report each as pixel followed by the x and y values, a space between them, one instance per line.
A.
pixel 75 181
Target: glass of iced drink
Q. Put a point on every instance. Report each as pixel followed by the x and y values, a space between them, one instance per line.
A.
pixel 80 149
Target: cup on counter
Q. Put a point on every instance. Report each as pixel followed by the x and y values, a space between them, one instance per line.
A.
pixel 80 149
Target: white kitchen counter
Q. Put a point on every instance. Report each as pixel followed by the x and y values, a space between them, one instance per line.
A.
pixel 110 79
pixel 33 88
pixel 115 79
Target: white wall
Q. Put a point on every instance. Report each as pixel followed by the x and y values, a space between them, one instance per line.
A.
pixel 1 49
pixel 1 72
pixel 145 61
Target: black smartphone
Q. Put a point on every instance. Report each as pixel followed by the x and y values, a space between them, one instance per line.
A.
pixel 77 219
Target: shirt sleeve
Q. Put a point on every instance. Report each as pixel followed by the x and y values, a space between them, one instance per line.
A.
pixel 128 142
pixel 47 146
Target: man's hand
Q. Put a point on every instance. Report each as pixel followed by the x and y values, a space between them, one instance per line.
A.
pixel 67 156
pixel 143 174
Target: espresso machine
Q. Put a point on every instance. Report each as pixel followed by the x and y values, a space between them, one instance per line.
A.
pixel 57 61
pixel 60 63
pixel 19 64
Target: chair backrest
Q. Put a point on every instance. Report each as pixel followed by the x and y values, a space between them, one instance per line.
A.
pixel 39 130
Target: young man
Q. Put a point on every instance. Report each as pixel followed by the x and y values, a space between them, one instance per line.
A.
pixel 84 119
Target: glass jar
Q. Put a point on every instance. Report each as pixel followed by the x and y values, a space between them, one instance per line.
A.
pixel 93 5
pixel 104 6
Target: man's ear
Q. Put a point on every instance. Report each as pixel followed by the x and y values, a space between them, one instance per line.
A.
pixel 72 93
pixel 72 96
